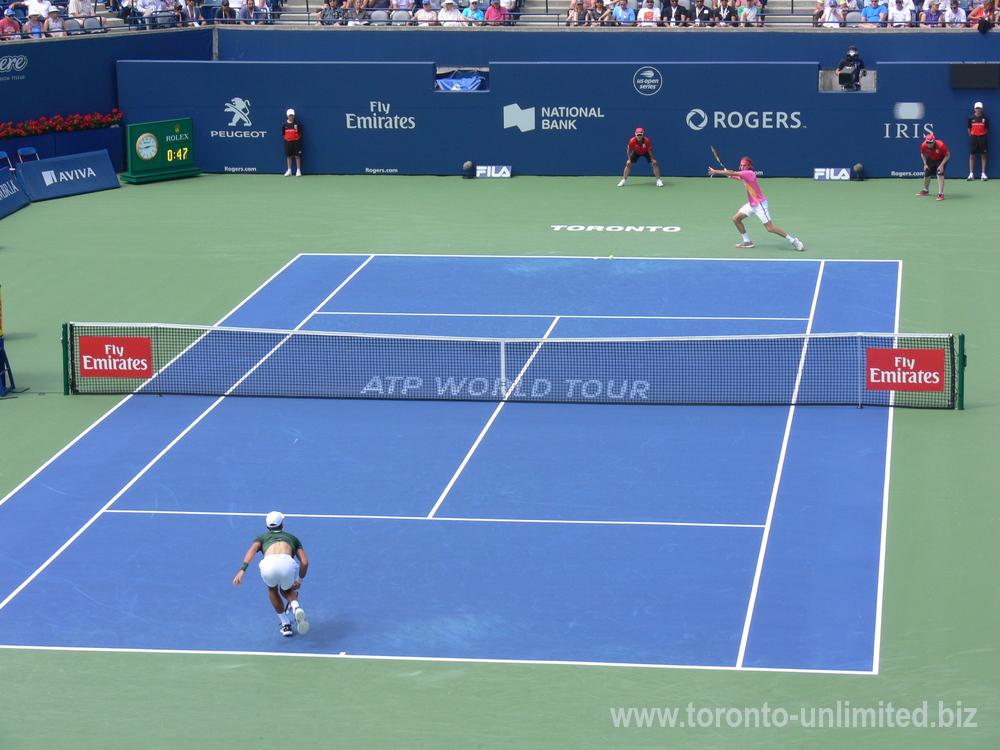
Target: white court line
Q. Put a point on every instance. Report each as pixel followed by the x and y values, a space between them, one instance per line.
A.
pixel 777 475
pixel 533 315
pixel 350 516
pixel 877 648
pixel 431 659
pixel 489 423
pixel 617 257
pixel 170 445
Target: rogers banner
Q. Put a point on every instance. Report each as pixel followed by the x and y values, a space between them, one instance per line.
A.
pixel 116 357
pixel 904 369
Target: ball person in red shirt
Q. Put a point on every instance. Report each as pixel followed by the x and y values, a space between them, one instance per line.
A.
pixel 291 131
pixel 935 155
pixel 640 146
pixel 979 126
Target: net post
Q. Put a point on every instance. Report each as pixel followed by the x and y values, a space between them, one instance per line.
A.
pixel 960 364
pixel 65 357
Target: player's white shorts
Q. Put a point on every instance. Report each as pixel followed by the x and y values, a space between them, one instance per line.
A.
pixel 760 211
pixel 279 570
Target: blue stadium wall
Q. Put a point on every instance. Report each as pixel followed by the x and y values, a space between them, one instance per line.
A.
pixel 743 92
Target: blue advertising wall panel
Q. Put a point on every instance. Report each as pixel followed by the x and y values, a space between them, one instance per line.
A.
pixel 60 176
pixel 550 118
pixel 77 75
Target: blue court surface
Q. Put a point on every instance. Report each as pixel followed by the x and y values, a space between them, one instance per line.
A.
pixel 740 537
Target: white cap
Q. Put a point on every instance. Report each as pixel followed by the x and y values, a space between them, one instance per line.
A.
pixel 977 105
pixel 290 112
pixel 274 519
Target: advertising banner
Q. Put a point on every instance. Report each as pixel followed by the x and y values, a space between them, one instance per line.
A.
pixel 12 196
pixel 67 175
pixel 550 118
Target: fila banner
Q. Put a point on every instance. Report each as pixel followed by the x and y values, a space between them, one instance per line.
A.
pixel 12 196
pixel 67 175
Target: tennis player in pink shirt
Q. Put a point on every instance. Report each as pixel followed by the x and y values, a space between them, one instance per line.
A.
pixel 756 204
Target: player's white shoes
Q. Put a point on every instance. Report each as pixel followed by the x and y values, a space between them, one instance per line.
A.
pixel 298 172
pixel 300 621
pixel 797 244
pixel 659 183
pixel 621 184
pixel 985 178
pixel 288 173
pixel 286 630
pixel 970 178
pixel 744 245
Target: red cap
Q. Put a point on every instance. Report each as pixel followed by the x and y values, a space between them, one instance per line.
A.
pixel 929 137
pixel 640 131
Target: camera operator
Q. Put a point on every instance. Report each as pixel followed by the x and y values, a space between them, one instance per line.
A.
pixel 850 70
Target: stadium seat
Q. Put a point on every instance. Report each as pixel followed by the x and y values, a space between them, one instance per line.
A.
pixel 853 18
pixel 400 17
pixel 208 10
pixel 73 26
pixel 164 20
pixel 92 24
pixel 379 18
pixel 26 152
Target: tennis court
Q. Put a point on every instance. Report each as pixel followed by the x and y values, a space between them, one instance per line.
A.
pixel 501 628
pixel 549 532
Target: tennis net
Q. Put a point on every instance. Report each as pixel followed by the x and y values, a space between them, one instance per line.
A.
pixel 878 369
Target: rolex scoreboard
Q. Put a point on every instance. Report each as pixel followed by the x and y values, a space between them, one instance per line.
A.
pixel 160 151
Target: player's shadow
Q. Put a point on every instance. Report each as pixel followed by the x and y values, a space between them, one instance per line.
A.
pixel 330 631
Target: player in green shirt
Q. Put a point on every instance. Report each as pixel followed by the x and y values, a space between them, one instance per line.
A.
pixel 284 566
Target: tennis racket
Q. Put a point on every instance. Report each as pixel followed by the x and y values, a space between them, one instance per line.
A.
pixel 716 155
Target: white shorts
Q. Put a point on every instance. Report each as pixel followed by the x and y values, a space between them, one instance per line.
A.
pixel 760 211
pixel 279 570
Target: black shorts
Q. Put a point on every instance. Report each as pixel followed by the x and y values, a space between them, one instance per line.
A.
pixel 293 148
pixel 978 144
pixel 633 157
pixel 932 167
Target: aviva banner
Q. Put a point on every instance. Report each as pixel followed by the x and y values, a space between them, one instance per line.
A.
pixel 551 118
pixel 67 175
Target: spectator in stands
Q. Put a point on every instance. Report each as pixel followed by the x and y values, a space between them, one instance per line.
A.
pixel 497 15
pixel 406 5
pixel 818 12
pixel 225 13
pixel 83 9
pixel 385 5
pixel 600 14
pixel 54 25
pixel 873 15
pixel 250 14
pixel 700 14
pixel 673 14
pixel 623 15
pixel 932 18
pixel 749 13
pixel 358 14
pixel 854 67
pixel 32 28
pixel 449 15
pixel 647 15
pixel 191 14
pixel 145 9
pixel 832 17
pixel 425 16
pixel 337 13
pixel 954 17
pixel 576 15
pixel 899 17
pixel 39 8
pixel 9 27
pixel 725 14
pixel 474 16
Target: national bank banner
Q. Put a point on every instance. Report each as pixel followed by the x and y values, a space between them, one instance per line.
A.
pixel 12 196
pixel 67 175
pixel 552 118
